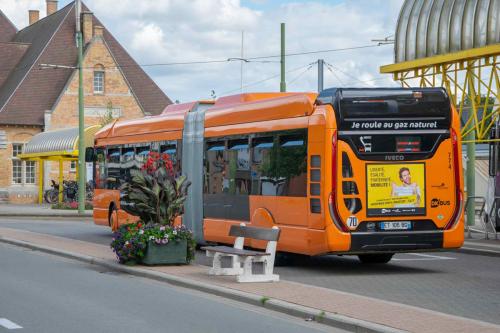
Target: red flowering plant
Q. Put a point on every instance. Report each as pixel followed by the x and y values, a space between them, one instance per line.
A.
pixel 157 197
pixel 154 193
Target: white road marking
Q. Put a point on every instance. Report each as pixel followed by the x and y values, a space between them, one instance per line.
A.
pixel 8 324
pixel 424 257
pixel 430 256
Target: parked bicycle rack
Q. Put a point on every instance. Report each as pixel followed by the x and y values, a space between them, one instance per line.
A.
pixel 484 218
pixel 494 210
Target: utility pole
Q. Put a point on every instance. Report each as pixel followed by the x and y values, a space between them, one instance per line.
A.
pixel 321 64
pixel 470 175
pixel 283 82
pixel 82 170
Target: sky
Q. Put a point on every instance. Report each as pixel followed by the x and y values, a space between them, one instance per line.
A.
pixel 172 31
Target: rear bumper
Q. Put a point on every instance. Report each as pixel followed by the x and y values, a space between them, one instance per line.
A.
pixel 396 241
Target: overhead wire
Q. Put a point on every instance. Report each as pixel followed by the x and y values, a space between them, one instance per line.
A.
pixel 301 73
pixel 227 60
pixel 264 80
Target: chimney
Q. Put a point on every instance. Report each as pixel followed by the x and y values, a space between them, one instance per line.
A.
pixel 51 7
pixel 34 16
pixel 98 31
pixel 87 26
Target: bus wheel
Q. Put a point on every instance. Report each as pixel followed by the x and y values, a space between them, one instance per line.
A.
pixel 113 219
pixel 377 258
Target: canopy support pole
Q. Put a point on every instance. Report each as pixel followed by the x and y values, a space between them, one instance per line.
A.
pixel 60 181
pixel 40 181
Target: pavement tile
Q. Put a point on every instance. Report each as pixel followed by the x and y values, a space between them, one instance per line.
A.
pixel 386 313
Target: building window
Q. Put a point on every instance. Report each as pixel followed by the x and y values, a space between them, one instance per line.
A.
pixel 72 166
pixel 17 171
pixel 22 172
pixel 3 140
pixel 30 172
pixel 17 164
pixel 98 82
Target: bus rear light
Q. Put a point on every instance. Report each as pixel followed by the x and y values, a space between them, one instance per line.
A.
pixel 459 196
pixel 331 199
pixel 335 215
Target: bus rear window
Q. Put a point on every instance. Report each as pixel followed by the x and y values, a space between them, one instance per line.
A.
pixel 356 103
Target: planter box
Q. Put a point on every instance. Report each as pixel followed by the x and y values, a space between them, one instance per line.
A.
pixel 174 252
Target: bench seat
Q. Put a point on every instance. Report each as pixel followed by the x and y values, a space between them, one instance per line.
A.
pixel 232 250
pixel 242 260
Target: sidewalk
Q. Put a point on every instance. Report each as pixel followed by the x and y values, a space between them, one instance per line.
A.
pixel 477 243
pixel 335 308
pixel 44 210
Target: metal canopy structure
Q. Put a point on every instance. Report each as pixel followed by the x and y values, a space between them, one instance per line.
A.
pixel 427 28
pixel 454 44
pixel 59 145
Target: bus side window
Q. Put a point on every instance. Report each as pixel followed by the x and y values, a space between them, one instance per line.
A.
pixel 127 163
pixel 113 168
pixel 238 170
pixel 141 153
pixel 215 168
pixel 170 148
pixel 264 160
pixel 100 169
pixel 292 165
pixel 178 165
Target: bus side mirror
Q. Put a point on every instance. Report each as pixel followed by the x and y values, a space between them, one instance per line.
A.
pixel 89 154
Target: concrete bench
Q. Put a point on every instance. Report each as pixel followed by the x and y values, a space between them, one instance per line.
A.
pixel 242 260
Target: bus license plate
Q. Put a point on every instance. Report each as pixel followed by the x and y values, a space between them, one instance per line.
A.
pixel 397 225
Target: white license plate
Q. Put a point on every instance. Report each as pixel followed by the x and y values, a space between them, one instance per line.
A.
pixel 399 225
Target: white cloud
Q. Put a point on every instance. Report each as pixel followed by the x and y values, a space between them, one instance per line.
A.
pixel 17 10
pixel 165 31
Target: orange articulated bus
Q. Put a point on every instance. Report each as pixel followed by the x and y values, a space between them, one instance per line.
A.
pixel 369 172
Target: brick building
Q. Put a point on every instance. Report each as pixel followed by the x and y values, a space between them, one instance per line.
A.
pixel 35 97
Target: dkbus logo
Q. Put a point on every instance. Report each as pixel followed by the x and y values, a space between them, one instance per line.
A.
pixel 437 202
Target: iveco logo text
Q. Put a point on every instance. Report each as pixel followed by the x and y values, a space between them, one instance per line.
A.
pixel 394 157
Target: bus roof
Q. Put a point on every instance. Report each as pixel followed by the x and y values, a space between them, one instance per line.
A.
pixel 241 108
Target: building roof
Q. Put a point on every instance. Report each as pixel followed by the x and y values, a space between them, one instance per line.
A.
pixel 27 92
pixel 7 29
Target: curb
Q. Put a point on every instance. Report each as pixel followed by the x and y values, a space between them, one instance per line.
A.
pixel 54 215
pixel 295 310
pixel 478 251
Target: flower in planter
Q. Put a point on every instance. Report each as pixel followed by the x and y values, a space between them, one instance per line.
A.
pixel 130 241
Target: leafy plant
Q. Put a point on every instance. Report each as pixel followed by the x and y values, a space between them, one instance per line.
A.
pixel 320 317
pixel 107 118
pixel 154 194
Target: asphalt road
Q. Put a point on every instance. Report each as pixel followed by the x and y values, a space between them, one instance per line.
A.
pixel 461 284
pixel 43 293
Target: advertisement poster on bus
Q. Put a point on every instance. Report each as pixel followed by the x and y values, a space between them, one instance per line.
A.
pixel 395 189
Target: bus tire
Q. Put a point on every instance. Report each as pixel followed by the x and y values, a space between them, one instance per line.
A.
pixel 375 258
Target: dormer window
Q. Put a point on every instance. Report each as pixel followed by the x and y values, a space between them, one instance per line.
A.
pixel 98 80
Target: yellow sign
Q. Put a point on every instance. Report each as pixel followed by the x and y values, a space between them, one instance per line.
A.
pixel 396 189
